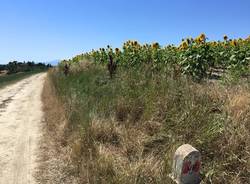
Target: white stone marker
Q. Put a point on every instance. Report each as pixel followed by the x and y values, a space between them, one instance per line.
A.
pixel 186 165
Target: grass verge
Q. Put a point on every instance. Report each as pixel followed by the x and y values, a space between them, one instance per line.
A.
pixel 54 158
pixel 125 130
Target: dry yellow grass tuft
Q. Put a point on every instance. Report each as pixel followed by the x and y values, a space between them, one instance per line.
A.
pixel 238 104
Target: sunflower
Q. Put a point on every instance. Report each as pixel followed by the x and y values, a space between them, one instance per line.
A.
pixel 126 44
pixel 215 43
pixel 197 40
pixel 117 50
pixel 202 38
pixel 225 37
pixel 234 43
pixel 184 45
pixel 155 45
pixel 135 43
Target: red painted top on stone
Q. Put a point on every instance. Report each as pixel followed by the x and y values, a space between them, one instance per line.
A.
pixel 186 165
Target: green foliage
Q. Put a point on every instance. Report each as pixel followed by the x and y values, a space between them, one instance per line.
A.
pixel 194 57
pixel 196 60
pixel 15 67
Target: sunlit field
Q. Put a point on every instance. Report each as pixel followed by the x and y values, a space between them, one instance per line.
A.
pixel 128 109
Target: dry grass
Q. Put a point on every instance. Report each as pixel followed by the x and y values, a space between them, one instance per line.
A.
pixel 118 156
pixel 126 131
pixel 54 160
pixel 238 104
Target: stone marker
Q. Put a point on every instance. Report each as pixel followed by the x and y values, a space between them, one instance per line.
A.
pixel 186 165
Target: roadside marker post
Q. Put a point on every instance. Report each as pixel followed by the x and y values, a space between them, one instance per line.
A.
pixel 186 165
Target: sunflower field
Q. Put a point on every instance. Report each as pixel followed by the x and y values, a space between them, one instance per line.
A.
pixel 195 57
pixel 128 109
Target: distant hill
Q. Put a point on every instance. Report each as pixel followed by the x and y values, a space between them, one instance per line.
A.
pixel 53 62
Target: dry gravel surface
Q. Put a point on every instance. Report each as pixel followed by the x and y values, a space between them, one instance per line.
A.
pixel 20 129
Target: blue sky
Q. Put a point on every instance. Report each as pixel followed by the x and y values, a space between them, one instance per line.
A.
pixel 44 30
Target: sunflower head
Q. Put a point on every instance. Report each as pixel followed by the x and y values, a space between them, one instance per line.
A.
pixel 155 45
pixel 127 43
pixel 117 50
pixel 202 38
pixel 197 40
pixel 215 43
pixel 225 37
pixel 184 45
pixel 234 43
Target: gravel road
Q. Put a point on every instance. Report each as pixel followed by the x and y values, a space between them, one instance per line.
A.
pixel 20 129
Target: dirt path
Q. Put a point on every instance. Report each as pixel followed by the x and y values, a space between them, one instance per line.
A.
pixel 20 121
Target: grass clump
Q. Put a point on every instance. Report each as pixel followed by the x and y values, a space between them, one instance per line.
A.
pixel 126 129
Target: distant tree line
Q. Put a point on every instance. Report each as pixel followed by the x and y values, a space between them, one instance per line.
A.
pixel 15 66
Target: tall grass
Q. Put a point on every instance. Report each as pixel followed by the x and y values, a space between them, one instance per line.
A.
pixel 126 129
